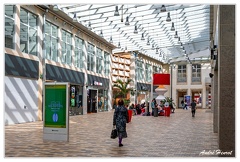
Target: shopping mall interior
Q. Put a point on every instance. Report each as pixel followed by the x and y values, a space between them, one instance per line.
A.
pixel 95 49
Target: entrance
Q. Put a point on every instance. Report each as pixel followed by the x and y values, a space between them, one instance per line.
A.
pixel 92 101
pixel 181 93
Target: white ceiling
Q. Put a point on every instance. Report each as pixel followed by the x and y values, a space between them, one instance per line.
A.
pixel 192 22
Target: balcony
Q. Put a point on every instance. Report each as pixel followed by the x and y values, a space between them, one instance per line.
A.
pixel 121 73
pixel 127 61
pixel 122 60
pixel 114 65
pixel 121 66
pixel 127 74
pixel 127 68
pixel 115 59
pixel 115 72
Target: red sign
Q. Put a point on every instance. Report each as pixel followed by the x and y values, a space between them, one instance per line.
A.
pixel 161 79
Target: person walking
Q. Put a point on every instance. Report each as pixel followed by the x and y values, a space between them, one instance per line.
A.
pixel 193 107
pixel 120 118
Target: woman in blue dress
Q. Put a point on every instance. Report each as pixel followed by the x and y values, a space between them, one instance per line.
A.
pixel 120 118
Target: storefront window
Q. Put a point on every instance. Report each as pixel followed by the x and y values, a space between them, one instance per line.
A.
pixel 102 100
pixel 51 35
pixel 28 32
pixel 9 26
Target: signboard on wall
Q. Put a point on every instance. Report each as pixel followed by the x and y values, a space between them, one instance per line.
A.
pixel 55 112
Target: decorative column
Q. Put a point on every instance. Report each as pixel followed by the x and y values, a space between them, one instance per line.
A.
pixel 160 91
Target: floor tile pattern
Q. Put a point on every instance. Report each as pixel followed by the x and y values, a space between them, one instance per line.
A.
pixel 179 135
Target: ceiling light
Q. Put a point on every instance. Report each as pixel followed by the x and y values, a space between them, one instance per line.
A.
pixel 101 33
pixel 111 40
pixel 75 18
pixel 125 49
pixel 179 41
pixel 89 25
pixel 135 30
pixel 153 47
pixel 160 55
pixel 172 28
pixel 56 8
pixel 156 51
pixel 176 35
pixel 181 45
pixel 142 38
pixel 183 49
pixel 163 8
pixel 116 13
pixel 127 21
pixel 119 45
pixel 168 17
pixel 148 42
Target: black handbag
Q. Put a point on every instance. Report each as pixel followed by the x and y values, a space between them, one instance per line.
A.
pixel 114 133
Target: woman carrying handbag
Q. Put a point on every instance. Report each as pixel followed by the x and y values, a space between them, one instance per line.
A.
pixel 120 118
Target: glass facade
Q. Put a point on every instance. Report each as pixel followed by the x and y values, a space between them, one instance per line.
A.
pixel 79 55
pixel 51 43
pixel 9 26
pixel 28 32
pixel 66 48
pixel 182 73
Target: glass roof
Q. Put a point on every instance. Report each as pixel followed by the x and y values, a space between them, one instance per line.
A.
pixel 154 36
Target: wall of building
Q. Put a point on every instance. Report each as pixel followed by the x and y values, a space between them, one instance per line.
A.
pixel 188 87
pixel 31 71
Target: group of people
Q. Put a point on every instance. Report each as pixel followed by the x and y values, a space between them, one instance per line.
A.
pixel 120 117
pixel 137 108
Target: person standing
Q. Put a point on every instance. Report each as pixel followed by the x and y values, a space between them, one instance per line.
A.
pixel 120 118
pixel 193 107
pixel 153 105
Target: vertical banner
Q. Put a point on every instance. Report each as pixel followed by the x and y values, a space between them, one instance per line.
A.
pixel 55 119
pixel 187 99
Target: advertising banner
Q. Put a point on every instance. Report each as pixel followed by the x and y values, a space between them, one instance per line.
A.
pixel 55 106
pixel 187 99
pixel 55 111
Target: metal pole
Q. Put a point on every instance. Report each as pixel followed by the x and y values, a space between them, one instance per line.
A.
pixel 171 80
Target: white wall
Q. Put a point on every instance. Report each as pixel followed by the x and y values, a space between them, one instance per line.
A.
pixel 21 100
pixel 205 70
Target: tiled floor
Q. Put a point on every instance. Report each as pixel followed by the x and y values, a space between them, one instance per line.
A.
pixel 179 135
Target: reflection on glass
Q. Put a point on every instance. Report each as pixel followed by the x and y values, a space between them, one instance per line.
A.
pixel 9 26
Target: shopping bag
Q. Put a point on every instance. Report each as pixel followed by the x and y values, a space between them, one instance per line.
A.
pixel 114 133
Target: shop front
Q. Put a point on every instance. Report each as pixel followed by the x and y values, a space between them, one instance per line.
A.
pixel 143 92
pixel 75 79
pixel 97 91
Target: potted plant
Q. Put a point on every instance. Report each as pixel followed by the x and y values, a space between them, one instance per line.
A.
pixel 171 103
pixel 123 90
